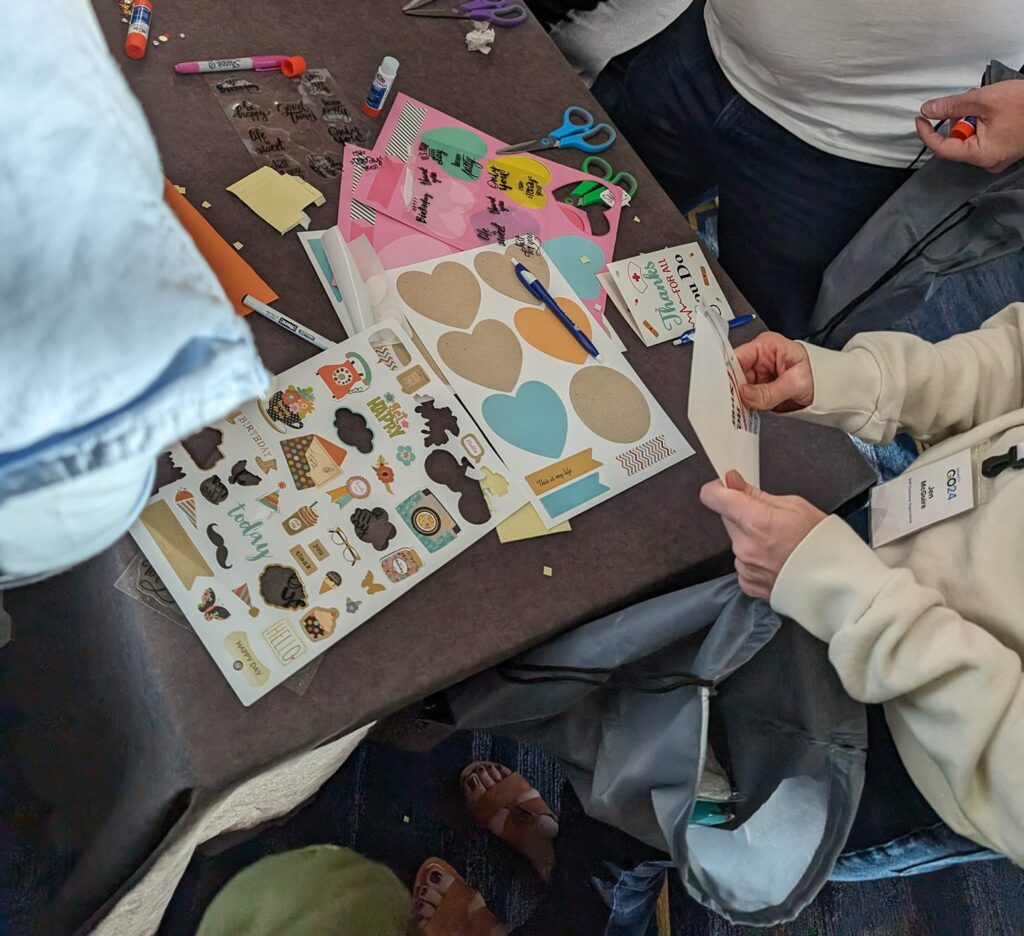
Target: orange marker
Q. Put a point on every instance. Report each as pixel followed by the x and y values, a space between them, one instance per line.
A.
pixel 138 29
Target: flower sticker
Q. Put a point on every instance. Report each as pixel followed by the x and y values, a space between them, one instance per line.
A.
pixel 406 455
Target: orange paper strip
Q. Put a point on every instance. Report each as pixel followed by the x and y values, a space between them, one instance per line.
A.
pixel 562 472
pixel 235 275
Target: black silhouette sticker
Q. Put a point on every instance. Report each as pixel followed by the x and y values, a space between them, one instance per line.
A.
pixel 374 527
pixel 241 475
pixel 218 542
pixel 444 468
pixel 352 430
pixel 440 422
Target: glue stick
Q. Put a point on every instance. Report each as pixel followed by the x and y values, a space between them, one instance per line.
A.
pixel 138 29
pixel 964 128
pixel 382 83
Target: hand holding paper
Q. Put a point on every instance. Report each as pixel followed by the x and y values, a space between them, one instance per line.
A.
pixel 779 374
pixel 764 529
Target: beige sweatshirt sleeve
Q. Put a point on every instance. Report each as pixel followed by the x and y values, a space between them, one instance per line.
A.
pixel 956 689
pixel 885 382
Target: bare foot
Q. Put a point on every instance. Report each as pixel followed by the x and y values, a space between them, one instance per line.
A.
pixel 445 905
pixel 506 804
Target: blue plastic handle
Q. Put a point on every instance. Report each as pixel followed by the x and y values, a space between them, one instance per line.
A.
pixel 581 136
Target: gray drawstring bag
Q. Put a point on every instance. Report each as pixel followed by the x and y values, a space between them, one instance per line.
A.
pixel 629 702
pixel 947 220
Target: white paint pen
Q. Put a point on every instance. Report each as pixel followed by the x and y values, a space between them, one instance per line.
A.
pixel 382 83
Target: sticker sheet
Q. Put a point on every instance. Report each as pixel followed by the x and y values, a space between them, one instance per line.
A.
pixel 574 430
pixel 297 126
pixel 359 475
pixel 658 293
pixel 435 173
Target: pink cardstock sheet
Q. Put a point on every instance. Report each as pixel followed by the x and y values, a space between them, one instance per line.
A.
pixel 437 176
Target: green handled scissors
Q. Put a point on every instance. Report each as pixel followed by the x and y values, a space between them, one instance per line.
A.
pixel 594 193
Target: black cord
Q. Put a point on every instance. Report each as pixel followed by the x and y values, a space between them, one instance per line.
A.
pixel 911 254
pixel 595 676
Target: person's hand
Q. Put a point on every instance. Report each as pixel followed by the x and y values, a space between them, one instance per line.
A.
pixel 764 529
pixel 779 374
pixel 999 138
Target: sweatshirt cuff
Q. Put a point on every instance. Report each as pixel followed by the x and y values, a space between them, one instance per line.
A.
pixel 847 385
pixel 830 579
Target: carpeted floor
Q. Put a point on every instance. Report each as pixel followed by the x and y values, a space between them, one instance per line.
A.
pixel 400 807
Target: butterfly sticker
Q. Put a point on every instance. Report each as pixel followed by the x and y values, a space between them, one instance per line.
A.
pixel 369 584
pixel 211 610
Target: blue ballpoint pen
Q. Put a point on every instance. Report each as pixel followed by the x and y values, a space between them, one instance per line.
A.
pixel 537 289
pixel 687 336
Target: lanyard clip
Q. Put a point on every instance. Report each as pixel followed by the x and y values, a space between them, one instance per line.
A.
pixel 1013 458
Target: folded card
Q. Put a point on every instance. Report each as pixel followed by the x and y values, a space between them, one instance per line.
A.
pixel 729 432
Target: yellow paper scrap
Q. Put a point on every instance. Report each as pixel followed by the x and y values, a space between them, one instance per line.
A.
pixel 548 571
pixel 180 188
pixel 525 523
pixel 206 204
pixel 278 199
pixel 238 245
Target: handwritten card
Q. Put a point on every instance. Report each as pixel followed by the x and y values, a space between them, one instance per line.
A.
pixel 729 432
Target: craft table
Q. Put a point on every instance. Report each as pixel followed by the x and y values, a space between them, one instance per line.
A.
pixel 134 721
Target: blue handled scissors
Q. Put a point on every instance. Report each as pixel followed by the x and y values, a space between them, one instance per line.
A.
pixel 496 12
pixel 578 131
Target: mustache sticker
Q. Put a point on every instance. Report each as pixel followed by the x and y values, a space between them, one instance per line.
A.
pixel 218 541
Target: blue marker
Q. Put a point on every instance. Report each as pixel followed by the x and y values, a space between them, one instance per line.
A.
pixel 537 290
pixel 687 336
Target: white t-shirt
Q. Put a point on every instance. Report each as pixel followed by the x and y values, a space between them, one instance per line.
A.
pixel 848 76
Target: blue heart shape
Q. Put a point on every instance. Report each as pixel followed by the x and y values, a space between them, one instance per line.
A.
pixel 533 419
pixel 566 253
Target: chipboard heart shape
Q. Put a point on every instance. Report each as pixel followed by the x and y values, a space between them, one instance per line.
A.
pixel 497 271
pixel 533 420
pixel 490 355
pixel 541 329
pixel 450 294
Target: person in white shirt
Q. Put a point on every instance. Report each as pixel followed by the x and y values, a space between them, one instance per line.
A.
pixel 802 114
pixel 928 626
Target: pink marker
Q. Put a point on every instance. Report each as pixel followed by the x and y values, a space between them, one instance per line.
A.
pixel 288 65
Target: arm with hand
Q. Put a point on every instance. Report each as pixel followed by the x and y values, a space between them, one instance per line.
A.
pixel 958 691
pixel 998 141
pixel 885 382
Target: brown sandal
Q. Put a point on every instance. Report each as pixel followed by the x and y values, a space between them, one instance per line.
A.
pixel 462 911
pixel 509 793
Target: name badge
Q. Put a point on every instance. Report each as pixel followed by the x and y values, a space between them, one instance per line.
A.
pixel 921 497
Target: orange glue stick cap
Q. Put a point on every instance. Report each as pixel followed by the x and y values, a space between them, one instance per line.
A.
pixel 138 29
pixel 293 66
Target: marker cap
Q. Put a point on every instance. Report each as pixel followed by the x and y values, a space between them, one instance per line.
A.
pixel 292 65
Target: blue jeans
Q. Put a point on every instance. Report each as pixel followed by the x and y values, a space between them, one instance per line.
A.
pixel 785 208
